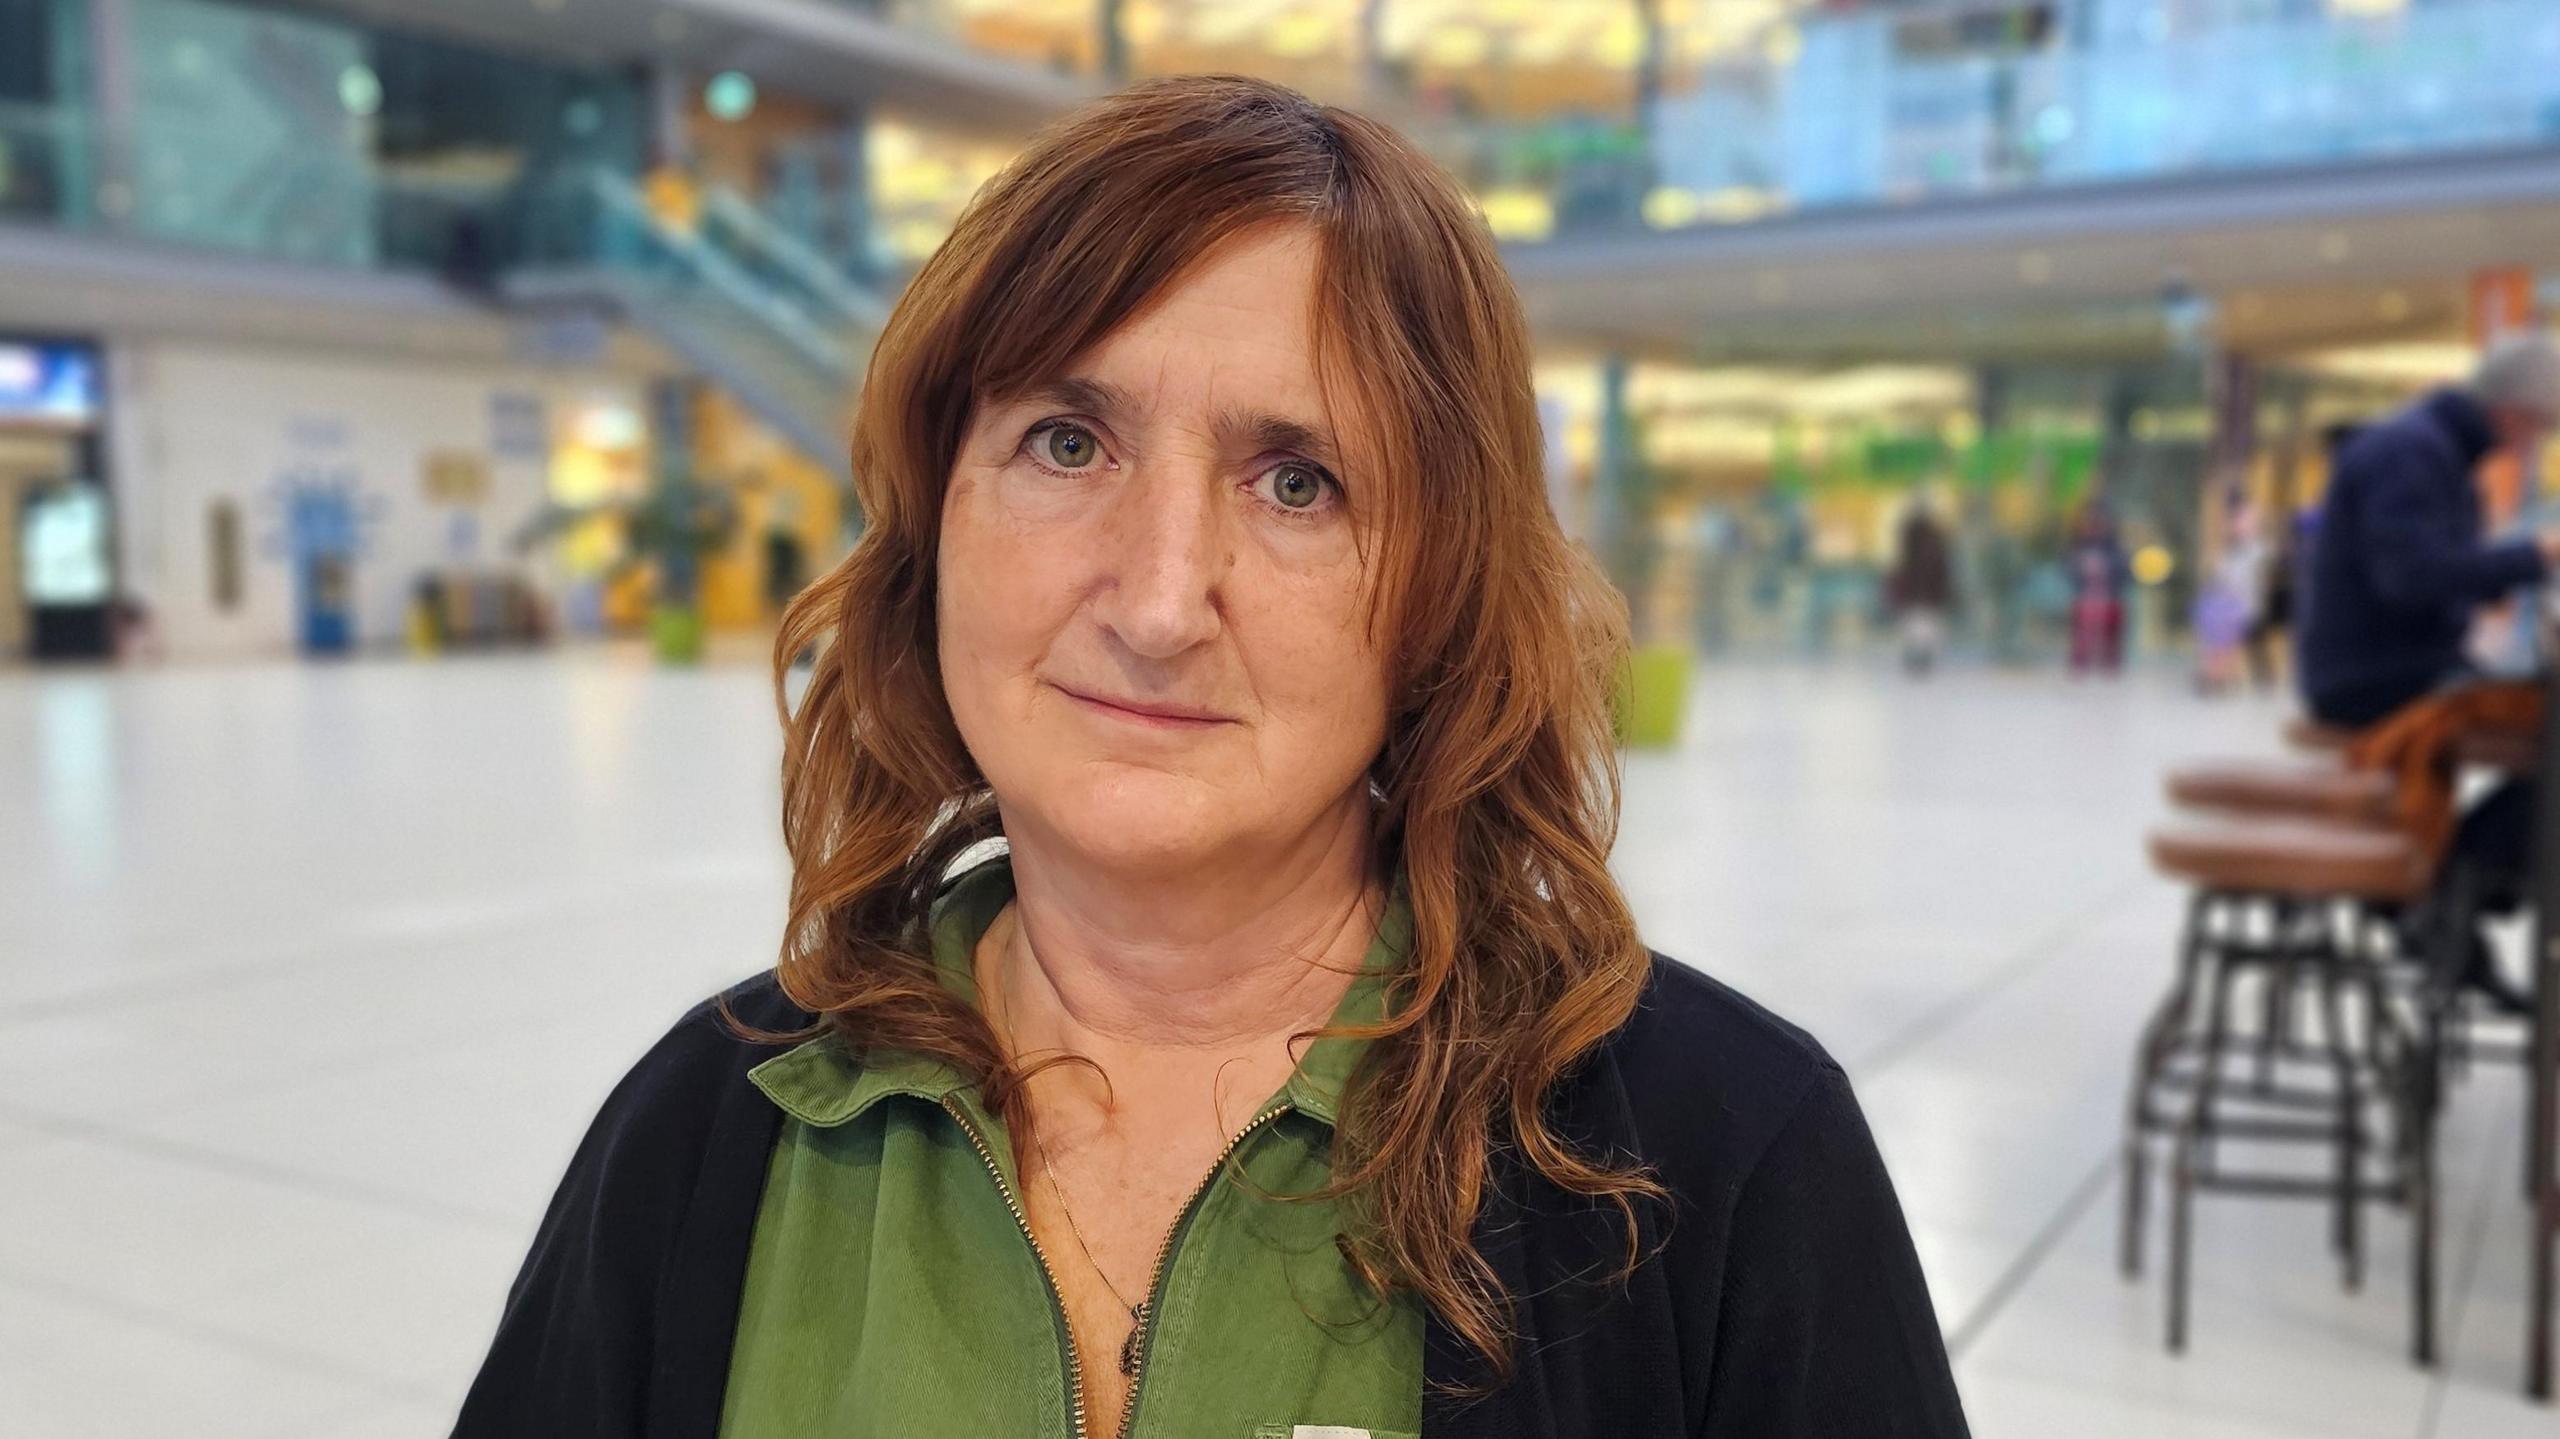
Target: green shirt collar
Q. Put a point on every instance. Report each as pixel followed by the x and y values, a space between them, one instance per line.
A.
pixel 823 1083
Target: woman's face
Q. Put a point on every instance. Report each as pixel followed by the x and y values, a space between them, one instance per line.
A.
pixel 1153 630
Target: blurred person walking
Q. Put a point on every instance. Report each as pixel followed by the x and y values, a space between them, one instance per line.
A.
pixel 2226 608
pixel 2400 570
pixel 2274 615
pixel 2099 576
pixel 1920 589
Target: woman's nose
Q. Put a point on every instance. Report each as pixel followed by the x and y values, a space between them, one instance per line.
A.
pixel 1166 560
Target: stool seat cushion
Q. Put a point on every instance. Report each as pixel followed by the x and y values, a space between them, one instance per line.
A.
pixel 2499 749
pixel 2295 858
pixel 2309 788
pixel 2304 732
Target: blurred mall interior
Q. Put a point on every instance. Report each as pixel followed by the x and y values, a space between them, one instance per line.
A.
pixel 413 414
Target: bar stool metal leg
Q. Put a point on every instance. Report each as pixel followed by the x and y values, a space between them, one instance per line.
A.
pixel 2424 1087
pixel 2349 1235
pixel 2422 1226
pixel 2186 1152
pixel 2151 1055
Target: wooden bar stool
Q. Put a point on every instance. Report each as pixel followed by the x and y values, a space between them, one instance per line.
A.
pixel 2283 789
pixel 2302 789
pixel 2305 733
pixel 2299 904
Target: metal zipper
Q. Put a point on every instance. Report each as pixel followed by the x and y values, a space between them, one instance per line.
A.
pixel 1145 1336
pixel 1057 1301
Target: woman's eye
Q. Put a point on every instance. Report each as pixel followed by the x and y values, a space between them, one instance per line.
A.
pixel 1295 486
pixel 1068 447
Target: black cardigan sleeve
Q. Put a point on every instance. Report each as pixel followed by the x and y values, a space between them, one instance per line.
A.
pixel 1825 1329
pixel 618 1323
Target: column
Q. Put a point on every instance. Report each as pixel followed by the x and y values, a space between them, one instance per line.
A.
pixel 110 192
pixel 859 252
pixel 1621 519
pixel 674 494
pixel 1114 40
pixel 1376 80
pixel 1648 96
pixel 670 124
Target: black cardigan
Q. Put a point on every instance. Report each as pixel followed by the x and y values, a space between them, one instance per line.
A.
pixel 1784 1299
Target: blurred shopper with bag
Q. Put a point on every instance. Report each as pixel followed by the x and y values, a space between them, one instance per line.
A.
pixel 2099 576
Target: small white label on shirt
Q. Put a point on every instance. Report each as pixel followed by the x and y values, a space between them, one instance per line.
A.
pixel 1327 1431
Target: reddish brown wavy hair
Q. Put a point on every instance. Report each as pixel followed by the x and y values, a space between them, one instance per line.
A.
pixel 1499 779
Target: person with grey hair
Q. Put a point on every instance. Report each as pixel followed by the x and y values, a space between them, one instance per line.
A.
pixel 2400 569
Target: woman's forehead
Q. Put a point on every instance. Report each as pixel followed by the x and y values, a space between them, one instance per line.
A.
pixel 1238 344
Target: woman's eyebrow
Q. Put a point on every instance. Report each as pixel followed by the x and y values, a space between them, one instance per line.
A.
pixel 1099 398
pixel 1279 432
pixel 1257 430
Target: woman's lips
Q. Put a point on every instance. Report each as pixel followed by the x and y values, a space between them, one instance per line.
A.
pixel 1145 712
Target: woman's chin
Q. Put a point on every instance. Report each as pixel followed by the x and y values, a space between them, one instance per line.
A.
pixel 1160 822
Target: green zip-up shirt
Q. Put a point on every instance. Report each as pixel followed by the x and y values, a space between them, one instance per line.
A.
pixel 893 1291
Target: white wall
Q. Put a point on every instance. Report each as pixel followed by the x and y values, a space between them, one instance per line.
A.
pixel 199 421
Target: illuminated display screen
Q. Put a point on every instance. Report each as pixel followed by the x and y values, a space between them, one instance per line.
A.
pixel 63 546
pixel 48 382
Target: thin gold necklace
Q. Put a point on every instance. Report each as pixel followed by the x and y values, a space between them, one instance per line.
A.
pixel 1137 1311
pixel 1049 1173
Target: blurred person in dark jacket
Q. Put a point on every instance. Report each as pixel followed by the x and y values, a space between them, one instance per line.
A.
pixel 2400 569
pixel 1921 587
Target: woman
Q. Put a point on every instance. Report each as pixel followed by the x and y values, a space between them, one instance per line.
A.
pixel 1292 1066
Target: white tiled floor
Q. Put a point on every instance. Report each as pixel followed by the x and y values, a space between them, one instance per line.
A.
pixel 309 978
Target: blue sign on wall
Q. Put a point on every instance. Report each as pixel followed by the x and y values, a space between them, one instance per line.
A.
pixel 48 382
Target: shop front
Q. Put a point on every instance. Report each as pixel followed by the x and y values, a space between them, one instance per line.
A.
pixel 57 567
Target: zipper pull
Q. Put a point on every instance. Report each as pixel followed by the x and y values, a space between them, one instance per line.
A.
pixel 1129 1346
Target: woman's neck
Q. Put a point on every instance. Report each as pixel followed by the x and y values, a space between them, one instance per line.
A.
pixel 1178 971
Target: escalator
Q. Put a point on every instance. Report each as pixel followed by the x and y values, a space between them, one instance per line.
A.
pixel 757 311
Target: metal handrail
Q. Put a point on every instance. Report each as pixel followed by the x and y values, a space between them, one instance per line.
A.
pixel 723 274
pixel 857 305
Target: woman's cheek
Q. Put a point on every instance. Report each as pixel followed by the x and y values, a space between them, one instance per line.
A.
pixel 1028 497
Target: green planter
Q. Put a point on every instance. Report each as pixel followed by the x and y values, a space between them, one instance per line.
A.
pixel 1653 697
pixel 675 632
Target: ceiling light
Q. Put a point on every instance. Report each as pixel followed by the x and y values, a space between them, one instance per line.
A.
pixel 360 90
pixel 1518 214
pixel 1298 36
pixel 729 96
pixel 1669 207
pixel 1456 47
pixel 1620 42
